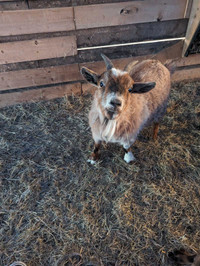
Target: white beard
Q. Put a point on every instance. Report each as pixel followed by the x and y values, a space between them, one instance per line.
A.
pixel 108 131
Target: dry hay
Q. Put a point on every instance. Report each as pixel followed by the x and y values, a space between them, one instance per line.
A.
pixel 56 209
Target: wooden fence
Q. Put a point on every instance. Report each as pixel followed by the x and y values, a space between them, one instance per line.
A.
pixel 43 44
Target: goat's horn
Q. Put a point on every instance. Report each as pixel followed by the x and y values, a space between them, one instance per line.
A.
pixel 107 61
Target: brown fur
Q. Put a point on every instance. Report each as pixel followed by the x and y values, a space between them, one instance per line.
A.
pixel 155 131
pixel 96 154
pixel 137 110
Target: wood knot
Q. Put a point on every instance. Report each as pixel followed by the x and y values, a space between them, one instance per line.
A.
pixel 125 11
pixel 159 18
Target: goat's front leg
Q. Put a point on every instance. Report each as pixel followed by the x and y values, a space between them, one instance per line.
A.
pixel 155 131
pixel 128 157
pixel 96 154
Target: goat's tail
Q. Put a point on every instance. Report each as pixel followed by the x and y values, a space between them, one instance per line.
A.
pixel 171 65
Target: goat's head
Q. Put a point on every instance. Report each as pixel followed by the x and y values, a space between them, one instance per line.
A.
pixel 115 86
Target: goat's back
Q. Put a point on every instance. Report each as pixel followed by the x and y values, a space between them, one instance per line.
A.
pixel 149 70
pixel 152 71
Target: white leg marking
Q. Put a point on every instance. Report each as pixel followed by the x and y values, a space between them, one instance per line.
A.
pixel 128 157
pixel 91 161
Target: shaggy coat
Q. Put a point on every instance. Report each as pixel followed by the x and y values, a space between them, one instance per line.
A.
pixel 130 112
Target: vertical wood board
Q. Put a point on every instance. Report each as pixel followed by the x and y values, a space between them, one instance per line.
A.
pixel 193 24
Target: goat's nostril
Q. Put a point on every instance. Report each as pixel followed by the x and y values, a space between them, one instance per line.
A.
pixel 116 103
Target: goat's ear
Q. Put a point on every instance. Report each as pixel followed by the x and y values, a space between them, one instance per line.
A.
pixel 143 87
pixel 90 76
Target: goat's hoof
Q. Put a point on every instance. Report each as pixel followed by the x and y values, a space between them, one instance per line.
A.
pixel 91 161
pixel 129 157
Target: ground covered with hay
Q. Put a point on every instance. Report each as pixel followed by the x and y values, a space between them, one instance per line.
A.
pixel 56 209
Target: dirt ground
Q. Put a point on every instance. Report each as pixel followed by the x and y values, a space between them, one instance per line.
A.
pixel 56 209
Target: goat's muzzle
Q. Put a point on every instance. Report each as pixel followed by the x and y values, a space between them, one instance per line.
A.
pixel 111 113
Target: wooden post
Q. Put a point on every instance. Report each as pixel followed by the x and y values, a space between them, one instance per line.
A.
pixel 193 24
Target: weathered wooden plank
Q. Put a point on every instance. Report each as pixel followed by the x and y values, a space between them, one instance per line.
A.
pixel 39 63
pixel 186 62
pixel 104 15
pixel 188 8
pixel 38 77
pixel 17 5
pixel 186 74
pixel 131 33
pixel 35 95
pixel 193 25
pixel 37 49
pixel 36 21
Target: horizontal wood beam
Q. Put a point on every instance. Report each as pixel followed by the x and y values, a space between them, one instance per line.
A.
pixel 38 77
pixel 36 21
pixel 13 52
pixel 35 95
pixel 92 16
pixel 186 75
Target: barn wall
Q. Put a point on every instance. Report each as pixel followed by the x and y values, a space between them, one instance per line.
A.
pixel 44 43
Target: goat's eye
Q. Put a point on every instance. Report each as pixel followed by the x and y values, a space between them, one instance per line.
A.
pixel 101 84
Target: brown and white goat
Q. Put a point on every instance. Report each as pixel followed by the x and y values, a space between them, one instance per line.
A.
pixel 126 101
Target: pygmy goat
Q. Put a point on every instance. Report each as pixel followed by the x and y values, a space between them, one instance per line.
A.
pixel 126 101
